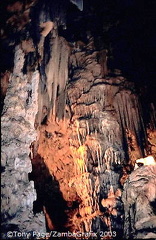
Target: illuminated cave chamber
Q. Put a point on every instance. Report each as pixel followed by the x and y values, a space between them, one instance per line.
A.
pixel 73 125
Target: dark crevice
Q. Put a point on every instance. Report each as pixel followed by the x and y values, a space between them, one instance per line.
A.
pixel 49 196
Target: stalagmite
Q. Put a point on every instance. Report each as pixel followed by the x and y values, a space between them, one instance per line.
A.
pixel 17 135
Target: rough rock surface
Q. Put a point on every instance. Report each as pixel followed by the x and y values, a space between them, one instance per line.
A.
pixel 139 198
pixel 18 116
pixel 85 151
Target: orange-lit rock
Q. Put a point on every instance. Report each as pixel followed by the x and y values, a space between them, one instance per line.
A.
pixel 27 46
pixel 152 141
pixel 46 28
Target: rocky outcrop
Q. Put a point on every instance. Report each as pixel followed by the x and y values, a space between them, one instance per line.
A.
pixel 85 149
pixel 18 116
pixel 139 198
pixel 95 140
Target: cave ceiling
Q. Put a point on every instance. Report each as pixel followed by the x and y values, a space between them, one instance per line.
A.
pixel 125 27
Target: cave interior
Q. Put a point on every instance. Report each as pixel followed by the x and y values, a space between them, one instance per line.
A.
pixel 78 118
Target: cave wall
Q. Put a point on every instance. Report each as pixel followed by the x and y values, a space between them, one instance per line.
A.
pixel 95 145
pixel 72 130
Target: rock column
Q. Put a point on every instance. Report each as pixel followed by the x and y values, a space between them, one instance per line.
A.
pixel 18 117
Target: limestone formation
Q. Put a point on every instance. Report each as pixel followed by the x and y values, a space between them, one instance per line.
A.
pixel 18 132
pixel 74 133
pixel 139 197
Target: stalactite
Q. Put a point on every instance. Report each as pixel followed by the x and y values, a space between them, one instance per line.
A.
pixel 152 121
pixel 56 72
pixel 102 59
pixel 78 3
pixel 127 107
